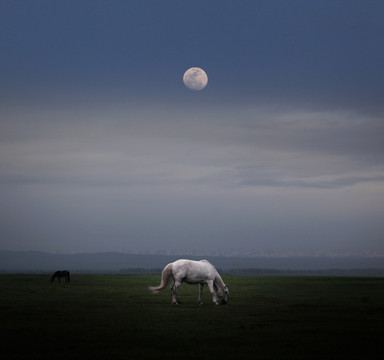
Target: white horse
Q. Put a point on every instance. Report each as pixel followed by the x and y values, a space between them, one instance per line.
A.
pixel 193 272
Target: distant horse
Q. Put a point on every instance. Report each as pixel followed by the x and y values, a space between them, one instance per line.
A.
pixel 60 274
pixel 193 272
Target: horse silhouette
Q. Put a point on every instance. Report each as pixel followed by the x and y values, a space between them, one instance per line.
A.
pixel 59 274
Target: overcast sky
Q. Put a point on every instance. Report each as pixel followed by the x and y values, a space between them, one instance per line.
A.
pixel 103 148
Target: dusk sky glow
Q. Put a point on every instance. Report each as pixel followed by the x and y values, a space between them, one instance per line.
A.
pixel 103 148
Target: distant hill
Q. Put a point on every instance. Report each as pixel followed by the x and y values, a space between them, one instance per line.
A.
pixel 113 262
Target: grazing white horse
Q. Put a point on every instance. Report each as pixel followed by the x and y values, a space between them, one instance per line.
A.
pixel 193 272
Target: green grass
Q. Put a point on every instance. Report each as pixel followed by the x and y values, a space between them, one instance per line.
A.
pixel 117 317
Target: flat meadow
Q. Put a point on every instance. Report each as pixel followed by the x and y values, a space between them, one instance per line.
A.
pixel 117 317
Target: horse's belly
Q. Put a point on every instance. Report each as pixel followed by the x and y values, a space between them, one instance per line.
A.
pixel 197 280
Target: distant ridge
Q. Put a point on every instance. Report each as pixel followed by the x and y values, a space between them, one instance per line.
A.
pixel 112 262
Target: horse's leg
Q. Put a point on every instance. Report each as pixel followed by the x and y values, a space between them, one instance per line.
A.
pixel 210 286
pixel 200 300
pixel 175 295
pixel 172 292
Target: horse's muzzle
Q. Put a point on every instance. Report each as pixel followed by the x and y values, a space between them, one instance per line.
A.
pixel 223 302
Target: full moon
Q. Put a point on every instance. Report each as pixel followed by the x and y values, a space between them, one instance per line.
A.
pixel 195 79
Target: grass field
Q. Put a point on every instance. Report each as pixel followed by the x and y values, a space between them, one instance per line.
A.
pixel 116 317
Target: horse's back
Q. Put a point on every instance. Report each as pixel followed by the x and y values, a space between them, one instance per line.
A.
pixel 193 265
pixel 186 262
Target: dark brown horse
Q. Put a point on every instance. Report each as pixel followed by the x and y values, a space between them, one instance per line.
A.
pixel 60 274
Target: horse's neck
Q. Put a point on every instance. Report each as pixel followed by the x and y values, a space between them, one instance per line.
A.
pixel 218 280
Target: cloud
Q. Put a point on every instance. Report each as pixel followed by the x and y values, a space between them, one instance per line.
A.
pixel 122 176
pixel 156 147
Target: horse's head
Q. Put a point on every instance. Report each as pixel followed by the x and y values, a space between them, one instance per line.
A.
pixel 222 294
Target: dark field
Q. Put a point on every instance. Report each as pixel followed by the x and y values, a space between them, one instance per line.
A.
pixel 116 317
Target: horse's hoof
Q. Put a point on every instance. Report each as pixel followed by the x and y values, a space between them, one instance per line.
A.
pixel 216 303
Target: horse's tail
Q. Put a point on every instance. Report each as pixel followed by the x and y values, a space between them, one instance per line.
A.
pixel 165 278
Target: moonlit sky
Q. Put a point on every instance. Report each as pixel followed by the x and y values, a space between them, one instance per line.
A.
pixel 103 148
